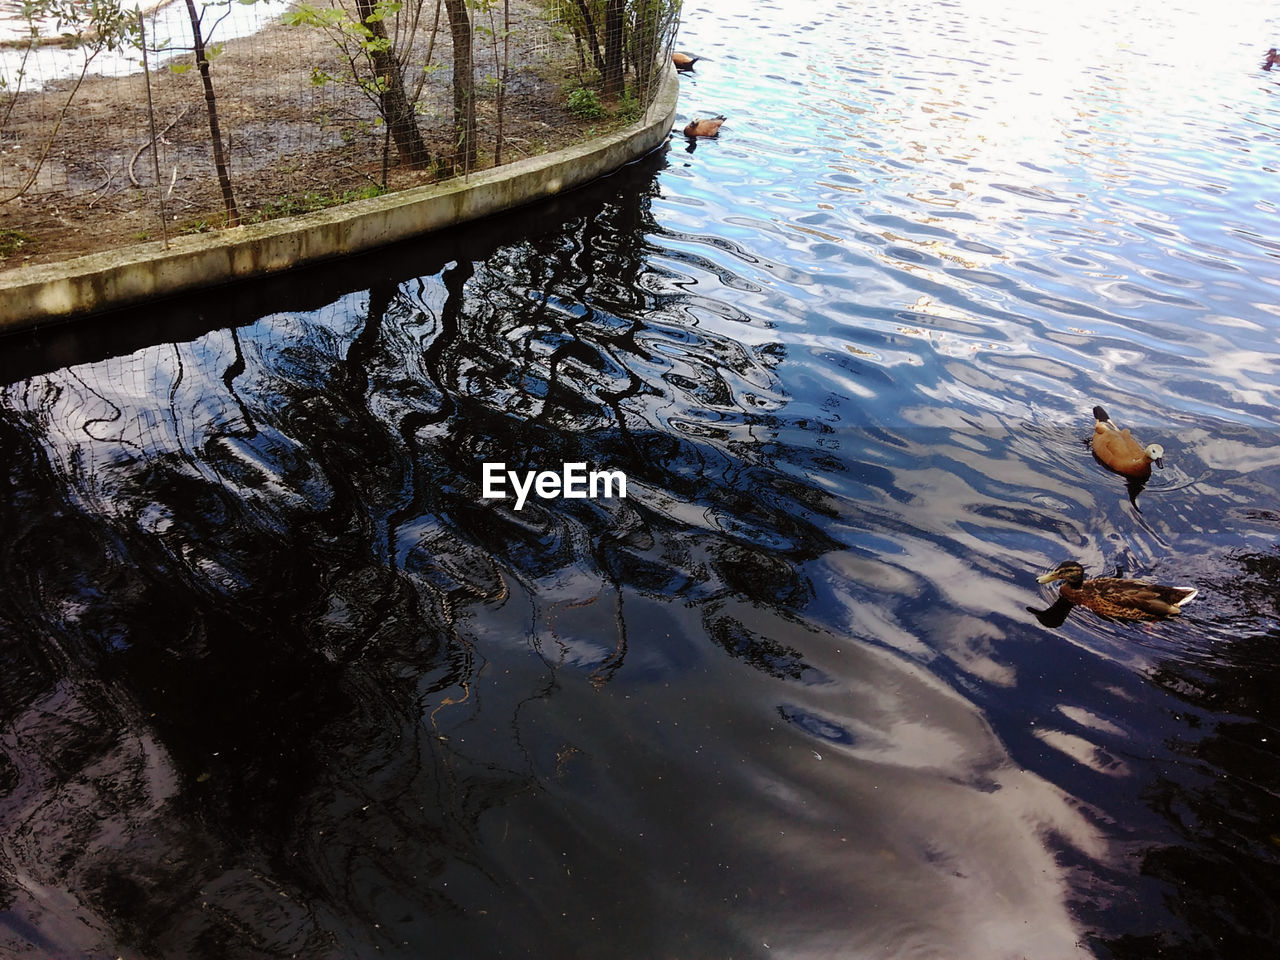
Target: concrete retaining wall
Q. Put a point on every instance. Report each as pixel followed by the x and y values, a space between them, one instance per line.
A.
pixel 31 296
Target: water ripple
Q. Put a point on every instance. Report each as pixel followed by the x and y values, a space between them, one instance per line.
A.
pixel 802 679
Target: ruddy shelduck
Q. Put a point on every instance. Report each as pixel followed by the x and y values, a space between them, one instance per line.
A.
pixel 1119 451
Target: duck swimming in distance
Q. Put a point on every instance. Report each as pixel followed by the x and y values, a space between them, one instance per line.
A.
pixel 685 61
pixel 1117 598
pixel 704 128
pixel 1118 451
pixel 1271 59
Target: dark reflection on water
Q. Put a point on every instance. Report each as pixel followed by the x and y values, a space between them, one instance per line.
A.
pixel 285 683
pixel 277 681
pixel 1225 862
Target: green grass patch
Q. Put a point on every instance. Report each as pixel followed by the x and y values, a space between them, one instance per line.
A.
pixel 584 103
pixel 629 109
pixel 195 226
pixel 13 242
pixel 292 206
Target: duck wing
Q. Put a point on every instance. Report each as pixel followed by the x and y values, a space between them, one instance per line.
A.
pixel 1157 600
pixel 1118 450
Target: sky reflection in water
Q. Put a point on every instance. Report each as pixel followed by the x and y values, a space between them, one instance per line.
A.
pixel 278 681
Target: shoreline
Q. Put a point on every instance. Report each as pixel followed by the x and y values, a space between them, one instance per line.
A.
pixel 94 283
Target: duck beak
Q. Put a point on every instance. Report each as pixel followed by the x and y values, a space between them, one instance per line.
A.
pixel 1159 462
pixel 1049 577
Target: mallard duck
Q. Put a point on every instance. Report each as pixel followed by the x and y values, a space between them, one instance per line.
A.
pixel 1271 60
pixel 704 128
pixel 685 61
pixel 1117 598
pixel 1117 450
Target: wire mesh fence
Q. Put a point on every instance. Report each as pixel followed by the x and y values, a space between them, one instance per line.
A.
pixel 121 125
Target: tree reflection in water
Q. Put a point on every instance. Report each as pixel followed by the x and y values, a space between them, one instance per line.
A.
pixel 1223 804
pixel 242 673
pixel 280 683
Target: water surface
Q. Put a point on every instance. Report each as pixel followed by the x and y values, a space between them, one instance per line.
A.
pixel 278 681
pixel 168 30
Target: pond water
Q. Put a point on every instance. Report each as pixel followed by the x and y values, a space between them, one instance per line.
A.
pixel 279 681
pixel 168 30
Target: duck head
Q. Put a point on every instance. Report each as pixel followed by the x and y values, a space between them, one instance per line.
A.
pixel 1068 570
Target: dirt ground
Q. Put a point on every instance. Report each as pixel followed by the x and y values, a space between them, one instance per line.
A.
pixel 292 143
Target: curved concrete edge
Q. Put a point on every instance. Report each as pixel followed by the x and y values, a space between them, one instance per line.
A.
pixel 30 296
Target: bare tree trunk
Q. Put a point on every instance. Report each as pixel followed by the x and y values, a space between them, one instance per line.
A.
pixel 503 72
pixel 211 106
pixel 645 36
pixel 396 109
pixel 592 40
pixel 151 116
pixel 464 85
pixel 614 21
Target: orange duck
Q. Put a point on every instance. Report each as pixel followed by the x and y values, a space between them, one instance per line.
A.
pixel 704 128
pixel 684 61
pixel 1118 451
